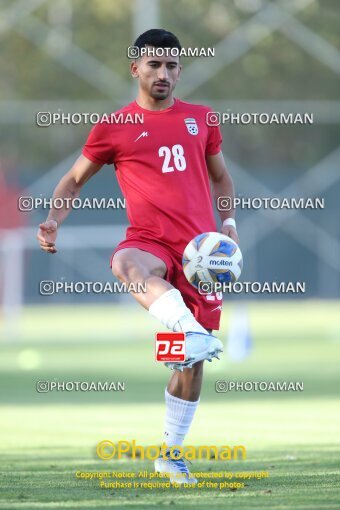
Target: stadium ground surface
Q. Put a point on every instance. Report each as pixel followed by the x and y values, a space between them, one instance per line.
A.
pixel 45 438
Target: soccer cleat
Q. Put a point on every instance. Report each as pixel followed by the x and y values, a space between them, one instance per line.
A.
pixel 175 468
pixel 198 347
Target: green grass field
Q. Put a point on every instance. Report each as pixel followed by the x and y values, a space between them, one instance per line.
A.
pixel 46 437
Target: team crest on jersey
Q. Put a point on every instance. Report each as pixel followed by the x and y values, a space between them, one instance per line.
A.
pixel 191 126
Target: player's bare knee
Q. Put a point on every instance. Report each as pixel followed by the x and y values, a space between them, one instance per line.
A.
pixel 121 269
pixel 117 268
pixel 128 270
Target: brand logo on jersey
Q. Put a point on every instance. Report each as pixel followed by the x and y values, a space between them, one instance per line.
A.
pixel 219 307
pixel 142 135
pixel 191 126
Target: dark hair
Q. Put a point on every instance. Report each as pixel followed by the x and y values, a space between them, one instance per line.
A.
pixel 159 38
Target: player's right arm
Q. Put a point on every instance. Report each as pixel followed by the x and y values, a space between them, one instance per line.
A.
pixel 68 188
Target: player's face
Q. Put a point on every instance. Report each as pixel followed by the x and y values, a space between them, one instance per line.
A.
pixel 157 75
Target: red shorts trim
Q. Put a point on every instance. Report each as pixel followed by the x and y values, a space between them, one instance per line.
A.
pixel 206 309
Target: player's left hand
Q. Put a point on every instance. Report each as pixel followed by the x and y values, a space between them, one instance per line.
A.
pixel 230 231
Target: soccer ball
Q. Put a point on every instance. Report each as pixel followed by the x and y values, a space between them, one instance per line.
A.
pixel 212 257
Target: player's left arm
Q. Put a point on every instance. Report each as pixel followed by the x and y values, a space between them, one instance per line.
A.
pixel 222 186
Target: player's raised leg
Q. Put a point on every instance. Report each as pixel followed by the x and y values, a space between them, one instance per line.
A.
pixel 164 302
pixel 182 393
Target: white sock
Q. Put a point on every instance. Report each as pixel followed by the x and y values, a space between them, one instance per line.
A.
pixel 173 313
pixel 178 418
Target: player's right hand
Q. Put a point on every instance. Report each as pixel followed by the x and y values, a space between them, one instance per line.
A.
pixel 47 235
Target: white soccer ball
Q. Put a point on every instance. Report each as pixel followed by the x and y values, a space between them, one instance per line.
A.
pixel 212 257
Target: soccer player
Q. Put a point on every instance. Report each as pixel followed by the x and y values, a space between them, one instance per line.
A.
pixel 166 168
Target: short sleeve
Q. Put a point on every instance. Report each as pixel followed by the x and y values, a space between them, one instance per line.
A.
pixel 98 147
pixel 214 141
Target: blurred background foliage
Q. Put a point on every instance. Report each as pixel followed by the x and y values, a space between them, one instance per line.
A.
pixel 274 69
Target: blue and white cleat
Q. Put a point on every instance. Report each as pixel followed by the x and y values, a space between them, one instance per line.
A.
pixel 175 468
pixel 198 347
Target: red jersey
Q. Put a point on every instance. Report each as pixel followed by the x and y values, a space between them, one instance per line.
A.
pixel 161 170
